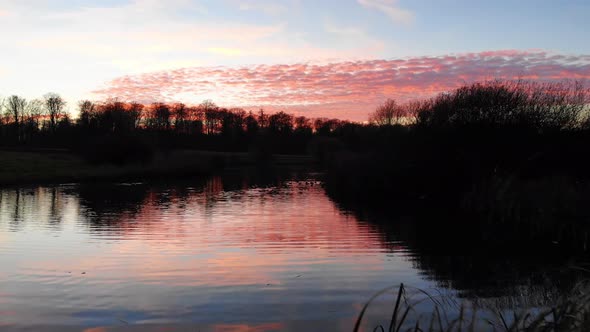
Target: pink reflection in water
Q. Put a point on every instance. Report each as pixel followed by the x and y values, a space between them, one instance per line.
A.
pixel 200 254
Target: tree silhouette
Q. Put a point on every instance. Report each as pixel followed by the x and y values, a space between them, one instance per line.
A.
pixel 388 113
pixel 262 119
pixel 468 119
pixel 251 124
pixel 15 107
pixel 180 115
pixel 34 112
pixel 86 113
pixel 54 104
pixel 161 115
pixel 524 105
pixel 302 123
pixel 211 117
pixel 280 122
pixel 135 113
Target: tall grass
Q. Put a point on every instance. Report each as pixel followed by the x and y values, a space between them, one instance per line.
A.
pixel 571 312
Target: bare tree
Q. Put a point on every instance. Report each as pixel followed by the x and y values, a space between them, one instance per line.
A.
pixel 86 112
pixel 412 109
pixel 302 123
pixel 180 114
pixel 208 104
pixel 34 112
pixel 251 124
pixel 280 122
pixel 2 100
pixel 262 119
pixel 210 111
pixel 54 104
pixel 388 113
pixel 160 116
pixel 86 106
pixel 15 107
pixel 136 112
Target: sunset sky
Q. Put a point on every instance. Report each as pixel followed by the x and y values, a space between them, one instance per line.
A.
pixel 336 58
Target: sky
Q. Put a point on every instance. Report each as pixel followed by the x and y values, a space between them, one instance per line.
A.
pixel 333 58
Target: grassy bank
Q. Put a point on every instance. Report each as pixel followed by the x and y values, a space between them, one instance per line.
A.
pixel 569 313
pixel 55 166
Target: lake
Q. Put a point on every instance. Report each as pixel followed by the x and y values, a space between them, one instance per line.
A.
pixel 235 252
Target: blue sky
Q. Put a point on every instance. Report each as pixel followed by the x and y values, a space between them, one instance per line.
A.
pixel 76 47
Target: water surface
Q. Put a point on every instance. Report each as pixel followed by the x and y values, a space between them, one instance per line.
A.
pixel 229 253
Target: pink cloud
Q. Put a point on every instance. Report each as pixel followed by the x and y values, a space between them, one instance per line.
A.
pixel 348 90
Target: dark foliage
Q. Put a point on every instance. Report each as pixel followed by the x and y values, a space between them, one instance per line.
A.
pixel 119 132
pixel 118 150
pixel 499 167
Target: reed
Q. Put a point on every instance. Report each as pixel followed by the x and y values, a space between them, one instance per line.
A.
pixel 571 313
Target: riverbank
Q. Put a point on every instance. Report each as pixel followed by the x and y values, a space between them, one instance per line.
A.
pixel 58 166
pixel 568 312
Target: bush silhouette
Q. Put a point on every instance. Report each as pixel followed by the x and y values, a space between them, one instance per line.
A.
pixel 118 150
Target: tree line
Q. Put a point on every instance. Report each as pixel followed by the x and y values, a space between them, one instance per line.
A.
pixel 479 110
pixel 491 165
pixel 23 118
pixel 524 104
pixel 111 124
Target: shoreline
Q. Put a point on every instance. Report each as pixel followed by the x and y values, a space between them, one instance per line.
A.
pixel 26 167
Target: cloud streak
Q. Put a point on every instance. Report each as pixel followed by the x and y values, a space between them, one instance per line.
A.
pixel 348 89
pixel 389 8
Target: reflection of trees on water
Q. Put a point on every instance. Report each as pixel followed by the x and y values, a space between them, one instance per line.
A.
pixel 120 210
pixel 103 205
pixel 116 208
pixel 502 262
pixel 17 210
pixel 445 255
pixel 44 206
pixel 55 216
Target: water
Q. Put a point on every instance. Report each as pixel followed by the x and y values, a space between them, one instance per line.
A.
pixel 229 253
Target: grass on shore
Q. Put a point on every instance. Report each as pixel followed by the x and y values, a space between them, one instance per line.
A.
pixel 570 313
pixel 34 167
pixel 31 167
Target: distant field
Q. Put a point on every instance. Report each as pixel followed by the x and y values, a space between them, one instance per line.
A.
pixel 51 166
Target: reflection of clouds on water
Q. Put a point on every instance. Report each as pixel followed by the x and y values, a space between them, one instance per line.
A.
pixel 222 250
